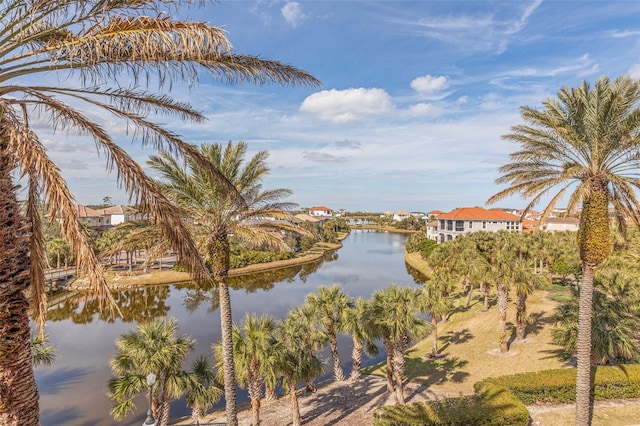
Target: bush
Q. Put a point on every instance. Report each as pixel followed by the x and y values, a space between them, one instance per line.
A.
pixel 418 242
pixel 245 258
pixel 559 386
pixel 491 405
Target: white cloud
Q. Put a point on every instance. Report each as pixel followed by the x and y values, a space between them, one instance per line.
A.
pixel 428 84
pixel 634 71
pixel 424 110
pixel 462 100
pixel 293 14
pixel 344 106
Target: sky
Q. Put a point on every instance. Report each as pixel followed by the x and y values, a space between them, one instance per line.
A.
pixel 414 100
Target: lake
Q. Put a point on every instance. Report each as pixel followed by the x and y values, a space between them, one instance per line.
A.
pixel 73 390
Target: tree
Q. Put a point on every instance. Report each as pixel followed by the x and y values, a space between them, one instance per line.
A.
pixel 296 361
pixel 395 313
pixel 614 325
pixel 330 307
pixel 85 46
pixel 154 348
pixel 359 324
pixel 41 352
pixel 219 213
pixel 202 391
pixel 255 352
pixel 433 299
pixel 583 145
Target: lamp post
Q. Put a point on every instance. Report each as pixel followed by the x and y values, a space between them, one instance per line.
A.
pixel 150 421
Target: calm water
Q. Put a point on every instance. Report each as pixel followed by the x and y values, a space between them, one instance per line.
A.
pixel 73 390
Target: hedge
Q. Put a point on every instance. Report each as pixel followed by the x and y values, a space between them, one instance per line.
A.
pixel 503 400
pixel 490 406
pixel 559 386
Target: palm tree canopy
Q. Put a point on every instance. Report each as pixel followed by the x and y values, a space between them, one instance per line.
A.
pixel 588 136
pixel 189 184
pixel 85 45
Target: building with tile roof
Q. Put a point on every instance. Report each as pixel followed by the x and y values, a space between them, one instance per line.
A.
pixel 465 220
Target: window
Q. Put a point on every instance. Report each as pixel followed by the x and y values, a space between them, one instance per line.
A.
pixel 484 224
pixel 470 224
pixel 459 225
pixel 513 226
pixel 449 225
pixel 442 224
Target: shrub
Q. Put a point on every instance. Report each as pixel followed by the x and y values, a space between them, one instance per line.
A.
pixel 559 386
pixel 491 405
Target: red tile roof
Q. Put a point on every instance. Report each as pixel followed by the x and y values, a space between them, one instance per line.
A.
pixel 320 208
pixel 478 213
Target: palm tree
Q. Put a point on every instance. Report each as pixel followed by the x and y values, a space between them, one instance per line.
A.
pixel 41 352
pixel 329 307
pixel 218 214
pixel 586 145
pixel 433 299
pixel 615 322
pixel 152 348
pixel 202 391
pixel 84 46
pixel 359 324
pixel 395 313
pixel 296 362
pixel 255 351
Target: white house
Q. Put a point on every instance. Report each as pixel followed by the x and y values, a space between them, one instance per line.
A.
pixel 465 220
pixel 560 224
pixel 320 211
pixel 106 217
pixel 400 215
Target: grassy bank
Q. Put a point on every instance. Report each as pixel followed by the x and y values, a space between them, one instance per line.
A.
pixel 127 279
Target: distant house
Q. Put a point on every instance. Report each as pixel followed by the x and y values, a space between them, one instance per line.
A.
pixel 104 218
pixel 320 211
pixel 432 230
pixel 400 215
pixel 560 224
pixel 433 214
pixel 465 220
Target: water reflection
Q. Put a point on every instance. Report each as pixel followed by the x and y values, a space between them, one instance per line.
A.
pixel 73 390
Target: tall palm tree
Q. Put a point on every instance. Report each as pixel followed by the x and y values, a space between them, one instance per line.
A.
pixel 82 46
pixel 585 145
pixel 154 348
pixel 330 307
pixel 219 213
pixel 395 313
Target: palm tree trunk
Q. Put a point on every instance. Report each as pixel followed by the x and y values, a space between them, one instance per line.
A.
pixel 255 390
pixel 18 391
pixel 163 418
pixel 356 359
pixel 521 317
pixel 434 336
pixel 338 374
pixel 469 294
pixel 485 291
pixel 295 409
pixel 219 258
pixel 389 351
pixel 398 370
pixel 270 392
pixel 584 409
pixel 503 304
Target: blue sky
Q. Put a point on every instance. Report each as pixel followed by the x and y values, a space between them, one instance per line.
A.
pixel 415 95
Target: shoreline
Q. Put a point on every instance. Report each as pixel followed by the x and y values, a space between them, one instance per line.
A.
pixel 134 279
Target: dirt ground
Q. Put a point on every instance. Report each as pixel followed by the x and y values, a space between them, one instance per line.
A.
pixel 347 403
